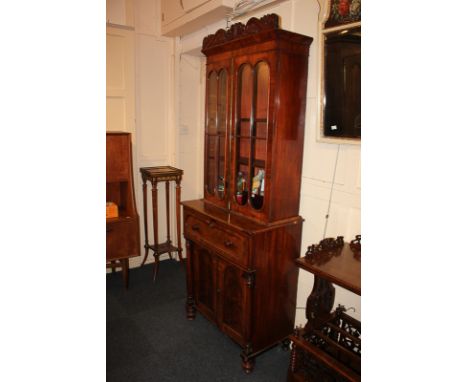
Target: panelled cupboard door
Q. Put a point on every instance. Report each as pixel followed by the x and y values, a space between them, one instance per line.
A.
pixel 234 300
pixel 217 124
pixel 204 269
pixel 222 293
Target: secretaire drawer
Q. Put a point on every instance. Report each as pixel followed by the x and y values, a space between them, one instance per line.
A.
pixel 231 244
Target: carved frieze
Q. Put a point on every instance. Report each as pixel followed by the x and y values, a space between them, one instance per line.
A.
pixel 239 30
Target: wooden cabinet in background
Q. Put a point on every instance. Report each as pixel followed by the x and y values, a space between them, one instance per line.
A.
pixel 244 236
pixel 122 232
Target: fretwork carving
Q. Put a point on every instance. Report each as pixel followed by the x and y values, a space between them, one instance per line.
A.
pixel 239 30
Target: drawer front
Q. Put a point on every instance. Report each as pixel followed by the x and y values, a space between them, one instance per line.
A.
pixel 122 239
pixel 231 244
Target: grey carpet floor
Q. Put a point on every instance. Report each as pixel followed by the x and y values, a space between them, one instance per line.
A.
pixel 150 339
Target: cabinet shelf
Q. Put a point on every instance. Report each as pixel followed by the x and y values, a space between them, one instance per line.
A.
pixel 250 137
pixel 259 120
pixel 256 163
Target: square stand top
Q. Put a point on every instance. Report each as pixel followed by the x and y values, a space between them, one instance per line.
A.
pixel 161 173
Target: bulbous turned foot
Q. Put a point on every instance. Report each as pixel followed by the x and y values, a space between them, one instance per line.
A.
pixel 248 364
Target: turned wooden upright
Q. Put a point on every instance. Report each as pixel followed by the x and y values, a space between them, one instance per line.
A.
pixel 155 175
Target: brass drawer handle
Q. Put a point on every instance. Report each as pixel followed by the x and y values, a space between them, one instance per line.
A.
pixel 228 244
pixel 196 227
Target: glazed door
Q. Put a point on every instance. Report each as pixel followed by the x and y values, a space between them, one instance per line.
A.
pixel 252 134
pixel 234 301
pixel 217 133
pixel 204 274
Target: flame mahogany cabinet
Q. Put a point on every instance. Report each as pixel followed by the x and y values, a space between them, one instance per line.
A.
pixel 243 237
pixel 122 232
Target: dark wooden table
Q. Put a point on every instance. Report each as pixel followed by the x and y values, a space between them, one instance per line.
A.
pixel 343 269
pixel 155 175
pixel 329 346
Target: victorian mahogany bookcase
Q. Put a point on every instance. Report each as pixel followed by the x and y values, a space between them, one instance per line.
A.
pixel 243 237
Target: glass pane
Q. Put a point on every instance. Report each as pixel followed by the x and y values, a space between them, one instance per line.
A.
pixel 261 128
pixel 221 180
pixel 222 98
pixel 243 150
pixel 263 87
pixel 211 99
pixel 246 91
pixel 244 128
pixel 211 163
pixel 262 78
pixel 244 116
pixel 260 150
pixel 221 132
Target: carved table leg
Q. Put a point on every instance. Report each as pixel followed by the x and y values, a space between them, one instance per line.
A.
pixel 179 242
pixel 155 267
pixel 154 192
pixel 168 223
pixel 145 221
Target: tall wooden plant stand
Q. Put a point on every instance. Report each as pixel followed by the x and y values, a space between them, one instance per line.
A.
pixel 155 175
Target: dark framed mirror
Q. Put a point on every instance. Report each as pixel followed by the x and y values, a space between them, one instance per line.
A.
pixel 342 84
pixel 339 119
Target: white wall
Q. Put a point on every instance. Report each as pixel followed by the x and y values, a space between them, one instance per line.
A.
pixel 154 138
